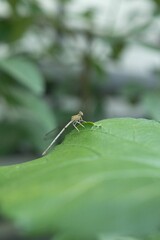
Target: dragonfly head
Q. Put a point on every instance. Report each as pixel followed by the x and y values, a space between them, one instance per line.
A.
pixel 80 113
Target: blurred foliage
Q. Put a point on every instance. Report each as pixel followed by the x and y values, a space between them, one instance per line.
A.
pixel 65 57
pixel 23 114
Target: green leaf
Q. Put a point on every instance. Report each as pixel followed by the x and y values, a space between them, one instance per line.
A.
pixel 150 103
pixel 42 120
pixel 13 28
pixel 27 119
pixel 102 181
pixel 117 238
pixel 34 115
pixel 24 72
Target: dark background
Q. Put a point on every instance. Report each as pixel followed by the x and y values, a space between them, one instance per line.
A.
pixel 58 57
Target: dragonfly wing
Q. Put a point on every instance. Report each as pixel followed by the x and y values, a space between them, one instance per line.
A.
pixel 50 134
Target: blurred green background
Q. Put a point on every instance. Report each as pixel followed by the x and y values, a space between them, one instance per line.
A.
pixel 61 56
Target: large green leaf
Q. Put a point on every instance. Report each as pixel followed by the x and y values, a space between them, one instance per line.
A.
pixel 102 181
pixel 25 72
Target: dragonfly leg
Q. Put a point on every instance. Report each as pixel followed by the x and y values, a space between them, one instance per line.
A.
pixel 74 125
pixel 80 124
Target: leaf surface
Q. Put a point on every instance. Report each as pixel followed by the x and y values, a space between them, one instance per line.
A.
pixel 101 181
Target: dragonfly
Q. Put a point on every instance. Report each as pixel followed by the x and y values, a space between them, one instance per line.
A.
pixel 75 119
